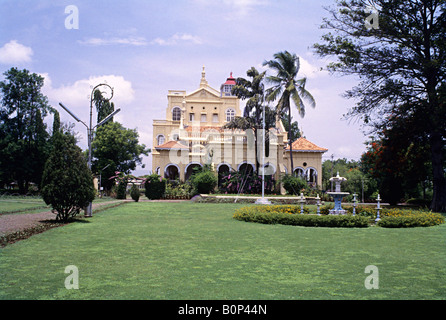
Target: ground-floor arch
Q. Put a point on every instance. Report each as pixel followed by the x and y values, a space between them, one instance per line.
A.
pixel 172 172
pixel 189 170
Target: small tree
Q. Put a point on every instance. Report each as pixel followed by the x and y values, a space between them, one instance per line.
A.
pixel 204 181
pixel 134 193
pixel 67 183
pixel 121 192
pixel 293 185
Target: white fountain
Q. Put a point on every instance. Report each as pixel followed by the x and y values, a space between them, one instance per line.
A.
pixel 338 195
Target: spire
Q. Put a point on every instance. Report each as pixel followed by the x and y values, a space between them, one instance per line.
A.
pixel 203 82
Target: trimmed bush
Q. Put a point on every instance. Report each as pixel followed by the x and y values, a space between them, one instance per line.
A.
pixel 394 218
pixel 262 214
pixel 293 185
pixel 204 182
pixel 67 182
pixel 121 190
pixel 134 193
pixel 155 186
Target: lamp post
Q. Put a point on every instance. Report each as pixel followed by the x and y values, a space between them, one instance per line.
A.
pixel 90 129
pixel 354 203
pixel 263 200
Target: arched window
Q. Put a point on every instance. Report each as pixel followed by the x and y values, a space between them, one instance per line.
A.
pixel 160 139
pixel 230 114
pixel 176 114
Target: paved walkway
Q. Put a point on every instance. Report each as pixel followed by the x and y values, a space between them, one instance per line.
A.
pixel 10 223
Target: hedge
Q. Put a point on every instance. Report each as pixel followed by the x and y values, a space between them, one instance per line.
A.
pixel 290 215
pixel 411 219
pixel 260 215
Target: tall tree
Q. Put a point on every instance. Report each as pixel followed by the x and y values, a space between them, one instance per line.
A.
pixel 23 135
pixel 117 147
pixel 103 107
pixel 400 61
pixel 253 92
pixel 286 87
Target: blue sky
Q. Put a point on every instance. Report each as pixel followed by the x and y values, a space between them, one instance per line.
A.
pixel 145 48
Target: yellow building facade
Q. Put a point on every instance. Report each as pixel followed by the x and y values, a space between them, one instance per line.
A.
pixel 193 135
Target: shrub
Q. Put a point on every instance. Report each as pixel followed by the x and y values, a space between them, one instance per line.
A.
pixel 180 191
pixel 397 218
pixel 292 184
pixel 67 182
pixel 121 190
pixel 204 182
pixel 260 215
pixel 134 193
pixel 237 182
pixel 155 186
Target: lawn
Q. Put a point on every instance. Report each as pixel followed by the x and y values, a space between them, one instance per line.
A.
pixel 155 250
pixel 15 204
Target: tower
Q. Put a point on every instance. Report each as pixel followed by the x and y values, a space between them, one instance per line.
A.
pixel 226 88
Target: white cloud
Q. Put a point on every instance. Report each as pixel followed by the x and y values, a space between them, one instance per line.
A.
pixel 14 52
pixel 234 9
pixel 309 70
pixel 132 41
pixel 177 39
pixel 76 97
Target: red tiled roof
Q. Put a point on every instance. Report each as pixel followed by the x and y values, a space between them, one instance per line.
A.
pixel 304 145
pixel 171 145
pixel 230 80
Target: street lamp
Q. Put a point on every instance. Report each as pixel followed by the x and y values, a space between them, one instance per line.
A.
pixel 263 200
pixel 90 129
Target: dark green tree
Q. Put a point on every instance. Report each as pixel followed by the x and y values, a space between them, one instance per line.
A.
pixel 56 122
pixel 103 107
pixel 295 132
pixel 117 147
pixel 286 87
pixel 67 183
pixel 400 62
pixel 23 136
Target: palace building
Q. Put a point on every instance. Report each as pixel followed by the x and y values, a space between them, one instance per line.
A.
pixel 193 135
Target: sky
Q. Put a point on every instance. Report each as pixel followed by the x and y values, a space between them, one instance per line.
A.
pixel 144 48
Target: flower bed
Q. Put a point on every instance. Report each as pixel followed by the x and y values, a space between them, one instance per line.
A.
pixel 288 215
pixel 365 216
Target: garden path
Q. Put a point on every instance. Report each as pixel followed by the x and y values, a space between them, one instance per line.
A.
pixel 10 223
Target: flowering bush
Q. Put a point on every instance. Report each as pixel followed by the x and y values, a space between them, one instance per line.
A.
pixel 290 214
pixel 238 182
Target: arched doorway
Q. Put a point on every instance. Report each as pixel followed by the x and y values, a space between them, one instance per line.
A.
pixel 172 172
pixel 246 168
pixel 190 168
pixel 223 170
pixel 312 176
pixel 299 172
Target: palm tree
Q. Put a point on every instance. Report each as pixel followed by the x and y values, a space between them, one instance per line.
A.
pixel 252 91
pixel 288 88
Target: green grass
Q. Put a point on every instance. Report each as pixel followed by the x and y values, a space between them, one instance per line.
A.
pixel 151 250
pixel 12 204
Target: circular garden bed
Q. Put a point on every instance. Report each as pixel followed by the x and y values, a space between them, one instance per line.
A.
pixel 364 217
